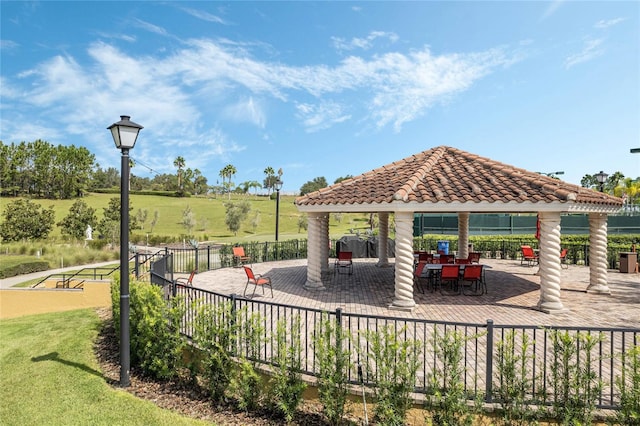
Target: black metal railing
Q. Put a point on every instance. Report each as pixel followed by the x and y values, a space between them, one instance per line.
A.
pixel 64 280
pixel 479 347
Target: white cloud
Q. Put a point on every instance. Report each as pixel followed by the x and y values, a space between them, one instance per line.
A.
pixel 205 16
pixel 248 110
pixel 551 9
pixel 363 43
pixel 150 27
pixel 591 49
pixel 8 44
pixel 320 116
pixel 604 24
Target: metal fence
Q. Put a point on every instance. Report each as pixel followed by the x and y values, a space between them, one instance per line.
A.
pixel 186 260
pixel 482 345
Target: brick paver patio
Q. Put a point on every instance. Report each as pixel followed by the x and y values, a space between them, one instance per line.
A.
pixel 513 293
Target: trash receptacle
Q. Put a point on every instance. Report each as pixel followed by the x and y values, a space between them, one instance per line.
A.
pixel 628 262
pixel 443 247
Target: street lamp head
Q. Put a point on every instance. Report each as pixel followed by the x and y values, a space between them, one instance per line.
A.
pixel 278 185
pixel 601 177
pixel 125 132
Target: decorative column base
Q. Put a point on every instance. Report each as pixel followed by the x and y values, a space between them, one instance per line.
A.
pixel 383 264
pixel 552 308
pixel 314 286
pixel 598 289
pixel 402 305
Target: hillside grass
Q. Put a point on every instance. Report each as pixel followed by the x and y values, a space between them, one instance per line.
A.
pixel 49 375
pixel 209 213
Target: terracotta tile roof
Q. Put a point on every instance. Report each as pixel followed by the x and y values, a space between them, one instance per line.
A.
pixel 444 175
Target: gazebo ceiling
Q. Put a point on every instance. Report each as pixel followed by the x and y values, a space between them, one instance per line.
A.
pixel 446 179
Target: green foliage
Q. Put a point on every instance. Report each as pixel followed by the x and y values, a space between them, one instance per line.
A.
pixel 109 226
pixel 391 365
pixel 246 383
pixel 11 267
pixel 574 384
pixel 75 223
pixel 332 356
pixel 286 381
pixel 215 332
pixel 156 343
pixel 25 220
pixel 447 399
pixel 628 385
pixel 235 214
pixel 314 185
pixel 188 219
pixel 515 380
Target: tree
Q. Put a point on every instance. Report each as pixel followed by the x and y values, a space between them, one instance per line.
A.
pixel 26 220
pixel 303 222
pixel 141 217
pixel 612 181
pixel 227 174
pixel 188 219
pixel 179 163
pixel 340 179
pixel 154 221
pixel 236 213
pixel 109 226
pixel 314 185
pixel 269 180
pixel 75 223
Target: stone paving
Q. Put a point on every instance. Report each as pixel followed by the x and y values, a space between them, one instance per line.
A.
pixel 513 293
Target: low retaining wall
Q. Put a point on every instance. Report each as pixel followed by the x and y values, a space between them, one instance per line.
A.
pixel 28 301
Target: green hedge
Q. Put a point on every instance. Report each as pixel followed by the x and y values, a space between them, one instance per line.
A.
pixel 26 267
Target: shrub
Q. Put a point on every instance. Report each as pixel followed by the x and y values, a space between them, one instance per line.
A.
pixel 156 343
pixel 246 382
pixel 447 399
pixel 286 381
pixel 332 356
pixel 25 267
pixel 391 366
pixel 214 333
pixel 515 380
pixel 574 384
pixel 628 384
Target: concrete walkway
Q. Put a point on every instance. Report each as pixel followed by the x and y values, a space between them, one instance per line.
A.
pixel 513 294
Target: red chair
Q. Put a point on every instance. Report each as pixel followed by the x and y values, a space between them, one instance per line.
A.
pixel 460 261
pixel 449 277
pixel 563 259
pixel 187 281
pixel 446 258
pixel 472 282
pixel 257 280
pixel 417 275
pixel 423 256
pixel 239 257
pixel 474 257
pixel 344 260
pixel 529 256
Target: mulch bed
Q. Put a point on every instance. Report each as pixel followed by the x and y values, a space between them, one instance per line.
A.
pixel 183 397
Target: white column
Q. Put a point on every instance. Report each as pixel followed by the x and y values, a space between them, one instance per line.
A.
pixel 403 297
pixel 324 243
pixel 463 235
pixel 383 240
pixel 550 270
pixel 598 254
pixel 314 253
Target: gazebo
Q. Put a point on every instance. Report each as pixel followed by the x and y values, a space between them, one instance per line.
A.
pixel 445 180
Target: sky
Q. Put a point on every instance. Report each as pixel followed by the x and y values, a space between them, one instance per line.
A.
pixel 327 89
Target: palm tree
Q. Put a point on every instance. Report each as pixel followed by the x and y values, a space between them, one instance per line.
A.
pixel 179 163
pixel 268 181
pixel 227 173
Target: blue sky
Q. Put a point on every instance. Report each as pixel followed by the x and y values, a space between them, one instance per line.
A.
pixel 327 88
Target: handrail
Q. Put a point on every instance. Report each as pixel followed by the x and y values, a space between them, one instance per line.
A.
pixel 82 273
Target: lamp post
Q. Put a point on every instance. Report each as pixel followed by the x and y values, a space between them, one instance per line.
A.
pixel 277 186
pixel 125 133
pixel 601 178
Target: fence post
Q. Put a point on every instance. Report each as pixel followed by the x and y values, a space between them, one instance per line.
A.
pixel 339 330
pixel 489 375
pixel 197 250
pixel 136 266
pixel 208 257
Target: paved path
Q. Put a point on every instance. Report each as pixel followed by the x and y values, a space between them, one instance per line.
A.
pixel 513 293
pixel 11 281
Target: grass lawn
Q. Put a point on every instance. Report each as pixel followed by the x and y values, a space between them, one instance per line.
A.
pixel 49 375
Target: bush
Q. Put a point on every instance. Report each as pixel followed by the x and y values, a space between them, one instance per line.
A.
pixel 332 355
pixel 286 381
pixel 391 366
pixel 25 267
pixel 629 389
pixel 246 383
